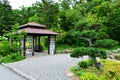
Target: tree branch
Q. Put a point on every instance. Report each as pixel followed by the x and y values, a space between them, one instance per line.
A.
pixel 87 39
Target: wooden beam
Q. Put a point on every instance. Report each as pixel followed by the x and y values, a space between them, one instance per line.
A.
pixel 33 47
pixel 48 44
pixel 55 45
pixel 38 43
pixel 35 42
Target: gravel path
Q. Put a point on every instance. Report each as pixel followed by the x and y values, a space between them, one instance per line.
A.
pixel 49 67
pixel 6 74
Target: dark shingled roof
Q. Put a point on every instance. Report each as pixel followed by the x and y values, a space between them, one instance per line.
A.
pixel 38 31
pixel 32 24
pixel 34 28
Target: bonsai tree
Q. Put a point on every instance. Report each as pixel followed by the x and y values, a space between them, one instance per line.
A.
pixel 97 45
pixel 92 29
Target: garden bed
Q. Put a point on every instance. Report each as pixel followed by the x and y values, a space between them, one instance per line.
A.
pixel 110 70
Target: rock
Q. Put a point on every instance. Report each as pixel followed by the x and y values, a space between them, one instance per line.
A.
pixel 111 56
pixel 66 51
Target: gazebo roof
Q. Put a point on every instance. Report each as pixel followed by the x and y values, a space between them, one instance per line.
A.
pixel 33 25
pixel 36 29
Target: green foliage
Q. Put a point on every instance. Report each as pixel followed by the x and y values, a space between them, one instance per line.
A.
pixel 66 14
pixel 106 43
pixel 92 34
pixel 34 18
pixel 13 34
pixel 13 46
pixel 7 48
pixel 42 47
pixel 10 50
pixel 64 46
pixel 109 13
pixel 61 38
pixel 76 52
pixel 68 19
pixel 83 64
pixel 92 52
pixel 111 70
pixel 65 4
pixel 77 70
pixel 90 62
pixel 11 58
pixel 88 76
pixel 86 63
pixel 5 16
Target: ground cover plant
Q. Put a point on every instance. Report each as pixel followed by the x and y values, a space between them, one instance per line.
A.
pixel 109 71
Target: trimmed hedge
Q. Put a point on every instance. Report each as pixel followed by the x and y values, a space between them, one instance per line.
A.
pixel 92 52
pixel 106 43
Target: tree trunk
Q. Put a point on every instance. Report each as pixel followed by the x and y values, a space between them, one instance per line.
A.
pixel 89 41
pixel 97 65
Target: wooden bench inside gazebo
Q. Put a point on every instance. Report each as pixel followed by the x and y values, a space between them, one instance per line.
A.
pixel 34 31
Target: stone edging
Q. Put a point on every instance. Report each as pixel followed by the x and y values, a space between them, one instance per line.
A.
pixel 18 72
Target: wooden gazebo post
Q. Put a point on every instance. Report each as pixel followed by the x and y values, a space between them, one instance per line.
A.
pixel 55 45
pixel 33 47
pixel 48 44
pixel 39 43
pixel 51 44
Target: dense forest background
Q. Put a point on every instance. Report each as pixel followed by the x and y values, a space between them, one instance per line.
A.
pixel 66 17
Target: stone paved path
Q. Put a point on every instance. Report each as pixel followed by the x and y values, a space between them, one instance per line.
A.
pixel 6 74
pixel 50 67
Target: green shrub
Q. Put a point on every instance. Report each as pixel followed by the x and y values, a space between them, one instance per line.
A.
pixel 92 52
pixel 80 72
pixel 79 51
pixel 111 70
pixel 86 63
pixel 62 38
pixel 108 43
pixel 11 58
pixel 77 70
pixel 7 48
pixel 83 64
pixel 42 46
pixel 110 75
pixel 88 76
pixel 90 62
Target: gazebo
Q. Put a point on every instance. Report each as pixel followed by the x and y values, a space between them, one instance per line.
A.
pixel 35 31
